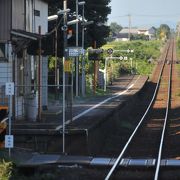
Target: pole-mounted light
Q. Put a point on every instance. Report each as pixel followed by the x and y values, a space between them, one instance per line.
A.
pixel 73 22
pixel 60 12
pixel 52 18
pixel 63 11
pixel 87 23
pixel 81 3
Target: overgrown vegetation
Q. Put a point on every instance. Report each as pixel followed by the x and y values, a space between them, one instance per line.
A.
pixel 178 57
pixel 5 170
pixel 141 61
pixel 178 48
pixel 143 58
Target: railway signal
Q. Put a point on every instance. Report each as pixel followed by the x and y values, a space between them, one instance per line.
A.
pixel 110 51
pixel 130 50
pixel 95 54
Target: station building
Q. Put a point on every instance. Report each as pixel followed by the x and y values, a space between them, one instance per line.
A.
pixel 21 23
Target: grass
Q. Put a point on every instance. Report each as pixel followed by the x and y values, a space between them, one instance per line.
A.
pixel 144 68
pixel 143 51
pixel 178 67
pixel 98 92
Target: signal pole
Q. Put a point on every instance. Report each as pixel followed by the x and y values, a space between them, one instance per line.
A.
pixel 64 78
pixel 129 36
pixel 77 43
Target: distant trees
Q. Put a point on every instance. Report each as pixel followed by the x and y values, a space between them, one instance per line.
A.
pixel 140 37
pixel 178 29
pixel 163 32
pixel 114 30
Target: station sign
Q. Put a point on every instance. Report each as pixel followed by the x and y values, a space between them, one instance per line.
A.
pixel 9 141
pixel 67 66
pixel 9 89
pixel 74 51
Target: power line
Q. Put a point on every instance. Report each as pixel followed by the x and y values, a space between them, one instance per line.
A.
pixel 147 15
pixel 157 15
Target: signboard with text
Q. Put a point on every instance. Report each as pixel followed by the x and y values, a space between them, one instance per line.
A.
pixel 9 141
pixel 74 51
pixel 9 90
pixel 67 66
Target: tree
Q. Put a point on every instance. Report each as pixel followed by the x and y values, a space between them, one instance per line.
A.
pixel 96 11
pixel 163 31
pixel 115 28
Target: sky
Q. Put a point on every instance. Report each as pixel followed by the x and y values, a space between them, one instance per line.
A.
pixel 145 13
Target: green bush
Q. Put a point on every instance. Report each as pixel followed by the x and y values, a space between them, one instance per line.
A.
pixel 143 51
pixel 5 170
pixel 178 48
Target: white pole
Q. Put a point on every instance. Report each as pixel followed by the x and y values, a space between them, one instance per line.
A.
pixel 77 43
pixel 64 80
pixel 10 97
pixel 131 65
pixel 10 120
pixel 64 106
pixel 83 59
pixel 105 74
pixel 129 26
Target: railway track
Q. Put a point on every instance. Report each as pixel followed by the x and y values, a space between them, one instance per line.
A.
pixel 148 139
pixel 150 152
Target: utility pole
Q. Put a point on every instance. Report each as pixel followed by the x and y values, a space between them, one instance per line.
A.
pixel 77 43
pixel 56 73
pixel 83 57
pixel 64 78
pixel 39 76
pixel 95 71
pixel 129 35
pixel 178 29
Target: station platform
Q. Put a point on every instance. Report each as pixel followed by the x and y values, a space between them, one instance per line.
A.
pixel 87 112
pixel 93 119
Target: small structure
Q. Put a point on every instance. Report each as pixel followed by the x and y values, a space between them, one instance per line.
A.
pixel 126 32
pixel 150 32
pixel 20 23
pixel 122 37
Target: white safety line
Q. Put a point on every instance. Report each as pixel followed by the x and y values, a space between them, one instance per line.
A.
pixel 97 105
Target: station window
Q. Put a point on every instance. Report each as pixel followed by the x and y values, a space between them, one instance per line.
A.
pixel 37 12
pixel 3 52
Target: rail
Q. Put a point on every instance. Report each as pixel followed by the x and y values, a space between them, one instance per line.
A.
pixel 165 122
pixel 115 165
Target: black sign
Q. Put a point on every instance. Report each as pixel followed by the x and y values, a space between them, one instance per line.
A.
pixel 95 54
pixel 110 51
